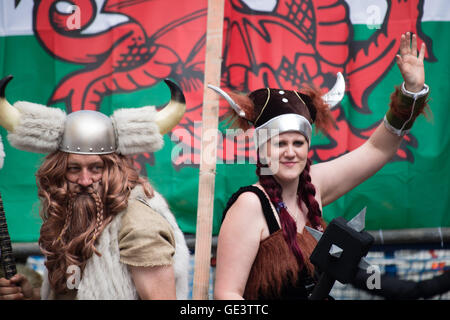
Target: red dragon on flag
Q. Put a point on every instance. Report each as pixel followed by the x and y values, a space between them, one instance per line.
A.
pixel 282 44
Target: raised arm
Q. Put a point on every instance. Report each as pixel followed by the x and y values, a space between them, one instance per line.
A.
pixel 337 177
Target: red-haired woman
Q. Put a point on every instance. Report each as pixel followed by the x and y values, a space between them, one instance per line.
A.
pixel 263 250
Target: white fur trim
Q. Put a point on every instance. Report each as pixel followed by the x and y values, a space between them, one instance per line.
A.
pixel 40 128
pixel 2 153
pixel 105 278
pixel 136 130
pixel 46 291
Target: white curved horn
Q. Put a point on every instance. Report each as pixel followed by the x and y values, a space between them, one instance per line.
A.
pixel 168 117
pixel 230 101
pixel 9 116
pixel 335 95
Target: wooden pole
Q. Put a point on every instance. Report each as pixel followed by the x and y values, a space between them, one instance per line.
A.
pixel 210 122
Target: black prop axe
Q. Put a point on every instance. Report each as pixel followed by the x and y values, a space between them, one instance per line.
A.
pixel 339 252
pixel 6 255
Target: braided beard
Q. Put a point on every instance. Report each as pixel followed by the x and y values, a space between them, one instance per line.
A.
pixel 84 215
pixel 84 220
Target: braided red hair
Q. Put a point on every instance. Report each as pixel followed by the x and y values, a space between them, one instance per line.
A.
pixel 305 192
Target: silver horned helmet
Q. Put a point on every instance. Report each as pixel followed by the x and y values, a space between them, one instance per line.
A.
pixel 88 132
pixel 37 128
pixel 283 110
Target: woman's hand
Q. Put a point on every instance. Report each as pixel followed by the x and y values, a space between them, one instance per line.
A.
pixel 410 65
pixel 16 288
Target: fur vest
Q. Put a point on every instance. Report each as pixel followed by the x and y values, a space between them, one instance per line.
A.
pixel 105 278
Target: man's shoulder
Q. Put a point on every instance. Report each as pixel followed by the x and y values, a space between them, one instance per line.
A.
pixel 140 213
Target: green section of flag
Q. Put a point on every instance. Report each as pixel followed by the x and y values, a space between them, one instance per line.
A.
pixel 408 195
pixel 401 195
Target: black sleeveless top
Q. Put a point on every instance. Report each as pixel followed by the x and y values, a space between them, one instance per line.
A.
pixel 289 290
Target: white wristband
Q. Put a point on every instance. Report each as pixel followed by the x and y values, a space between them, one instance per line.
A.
pixel 398 132
pixel 415 95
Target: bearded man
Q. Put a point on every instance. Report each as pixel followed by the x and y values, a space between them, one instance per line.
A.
pixel 106 233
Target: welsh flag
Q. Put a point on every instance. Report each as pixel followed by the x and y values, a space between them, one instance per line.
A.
pixel 109 54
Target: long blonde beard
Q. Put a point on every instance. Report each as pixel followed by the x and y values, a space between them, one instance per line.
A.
pixel 75 245
pixel 84 206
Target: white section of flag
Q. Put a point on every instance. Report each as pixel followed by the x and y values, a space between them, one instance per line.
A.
pixel 369 11
pixel 18 21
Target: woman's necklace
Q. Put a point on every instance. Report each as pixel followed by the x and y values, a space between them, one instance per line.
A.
pixel 294 213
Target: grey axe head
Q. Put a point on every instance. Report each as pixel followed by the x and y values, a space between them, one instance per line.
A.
pixel 341 248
